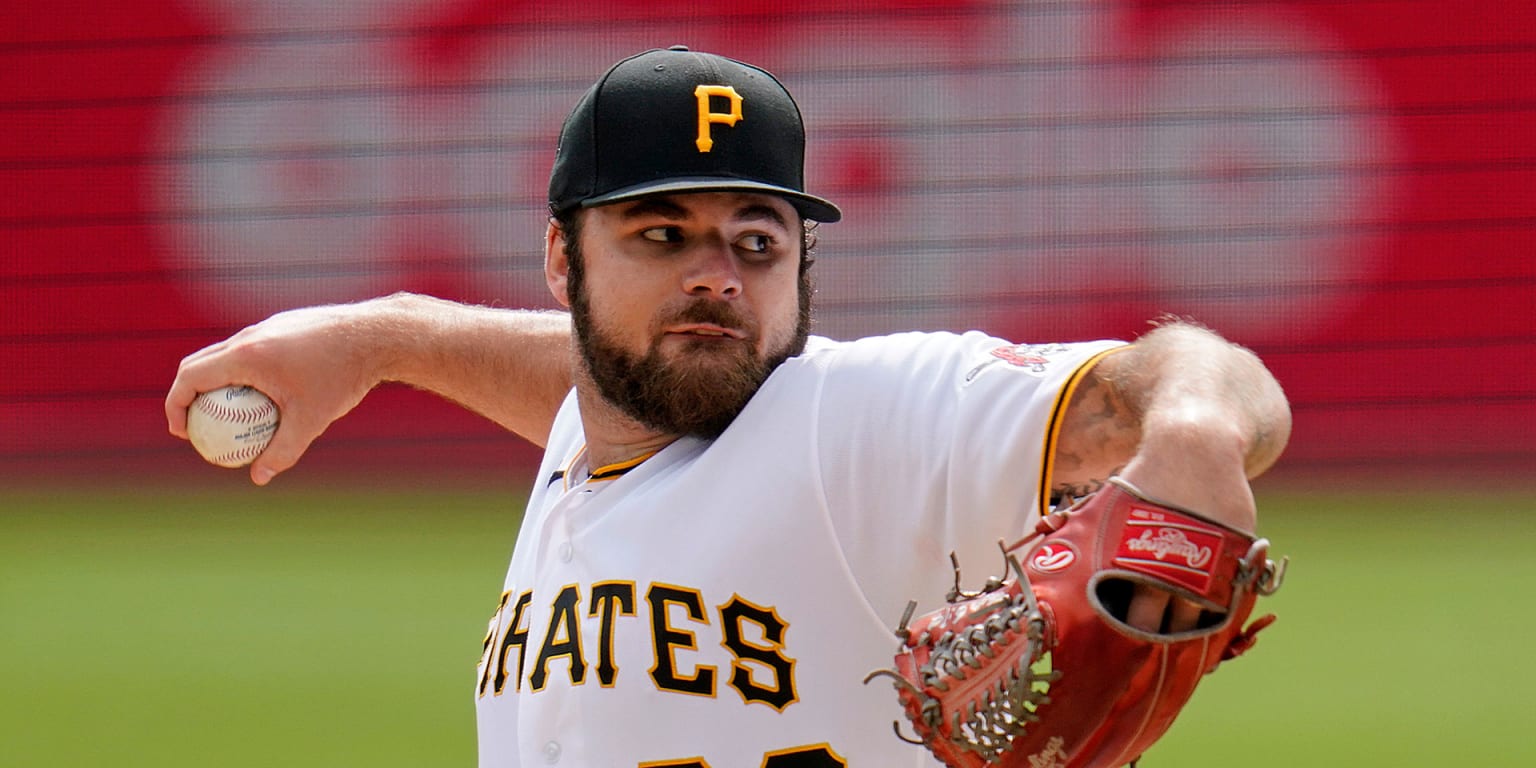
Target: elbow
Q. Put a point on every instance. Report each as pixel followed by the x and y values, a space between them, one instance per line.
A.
pixel 1271 428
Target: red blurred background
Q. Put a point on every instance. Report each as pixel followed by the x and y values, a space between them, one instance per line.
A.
pixel 1346 187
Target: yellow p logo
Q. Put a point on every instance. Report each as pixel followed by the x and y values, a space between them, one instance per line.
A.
pixel 708 118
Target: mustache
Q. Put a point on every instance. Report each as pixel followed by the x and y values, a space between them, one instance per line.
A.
pixel 711 312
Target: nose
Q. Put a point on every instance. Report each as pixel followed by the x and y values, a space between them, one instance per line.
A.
pixel 713 271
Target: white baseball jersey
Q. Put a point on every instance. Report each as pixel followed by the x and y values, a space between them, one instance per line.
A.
pixel 720 603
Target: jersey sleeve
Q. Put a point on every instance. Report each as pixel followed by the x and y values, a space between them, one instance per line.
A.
pixel 936 443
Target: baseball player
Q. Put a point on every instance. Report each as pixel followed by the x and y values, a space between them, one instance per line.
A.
pixel 731 515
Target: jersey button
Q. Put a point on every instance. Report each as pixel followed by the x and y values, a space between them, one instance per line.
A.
pixel 564 553
pixel 552 752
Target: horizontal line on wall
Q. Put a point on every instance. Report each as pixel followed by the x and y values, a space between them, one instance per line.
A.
pixel 726 14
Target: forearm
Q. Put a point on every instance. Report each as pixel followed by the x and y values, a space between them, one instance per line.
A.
pixel 511 366
pixel 1184 378
pixel 1202 414
pixel 1188 419
pixel 318 363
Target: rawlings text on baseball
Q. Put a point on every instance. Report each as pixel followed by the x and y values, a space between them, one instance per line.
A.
pixel 230 426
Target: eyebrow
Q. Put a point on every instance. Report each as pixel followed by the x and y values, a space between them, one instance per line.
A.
pixel 758 212
pixel 654 206
pixel 666 208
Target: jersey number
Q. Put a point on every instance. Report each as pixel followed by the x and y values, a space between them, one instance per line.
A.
pixel 818 756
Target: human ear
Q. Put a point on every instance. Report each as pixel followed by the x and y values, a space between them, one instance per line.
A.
pixel 557 264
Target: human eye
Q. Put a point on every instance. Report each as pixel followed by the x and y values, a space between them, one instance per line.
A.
pixel 755 243
pixel 663 234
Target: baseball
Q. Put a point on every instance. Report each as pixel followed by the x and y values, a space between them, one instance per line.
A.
pixel 230 426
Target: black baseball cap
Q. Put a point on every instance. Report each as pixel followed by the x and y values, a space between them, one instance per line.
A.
pixel 675 120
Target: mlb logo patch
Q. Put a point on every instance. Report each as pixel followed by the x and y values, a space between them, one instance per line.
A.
pixel 1033 359
pixel 1023 357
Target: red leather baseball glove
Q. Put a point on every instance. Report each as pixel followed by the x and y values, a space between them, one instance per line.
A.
pixel 1040 670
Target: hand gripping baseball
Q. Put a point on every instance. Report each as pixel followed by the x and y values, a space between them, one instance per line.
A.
pixel 305 360
pixel 1041 670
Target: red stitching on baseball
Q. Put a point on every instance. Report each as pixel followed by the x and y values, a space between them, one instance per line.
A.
pixel 221 412
pixel 242 455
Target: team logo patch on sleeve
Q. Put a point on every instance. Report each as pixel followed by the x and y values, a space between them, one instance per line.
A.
pixel 1033 359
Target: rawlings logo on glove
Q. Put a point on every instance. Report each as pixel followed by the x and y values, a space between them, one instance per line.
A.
pixel 1040 670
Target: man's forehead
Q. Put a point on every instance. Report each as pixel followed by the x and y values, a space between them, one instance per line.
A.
pixel 736 205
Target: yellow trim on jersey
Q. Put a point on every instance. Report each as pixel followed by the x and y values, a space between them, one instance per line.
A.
pixel 570 467
pixel 606 472
pixel 610 471
pixel 1058 414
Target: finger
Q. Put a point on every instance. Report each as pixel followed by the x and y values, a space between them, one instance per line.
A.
pixel 1186 616
pixel 288 445
pixel 177 400
pixel 176 404
pixel 193 376
pixel 261 474
pixel 1148 606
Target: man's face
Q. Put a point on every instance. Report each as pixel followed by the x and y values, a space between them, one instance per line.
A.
pixel 684 304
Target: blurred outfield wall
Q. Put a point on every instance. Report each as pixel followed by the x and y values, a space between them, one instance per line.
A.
pixel 1347 186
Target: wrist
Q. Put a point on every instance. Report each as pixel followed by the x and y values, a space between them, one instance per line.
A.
pixel 1196 457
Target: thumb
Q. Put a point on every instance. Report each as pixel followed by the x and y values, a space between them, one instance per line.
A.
pixel 288 445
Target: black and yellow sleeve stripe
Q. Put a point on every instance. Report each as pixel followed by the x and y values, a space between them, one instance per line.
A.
pixel 1058 415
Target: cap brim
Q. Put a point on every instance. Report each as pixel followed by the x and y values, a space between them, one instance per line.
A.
pixel 809 206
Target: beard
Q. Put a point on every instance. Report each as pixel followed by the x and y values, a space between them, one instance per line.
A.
pixel 701 391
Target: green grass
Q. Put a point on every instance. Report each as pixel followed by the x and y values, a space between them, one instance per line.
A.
pixel 259 628
pixel 1403 640
pixel 279 627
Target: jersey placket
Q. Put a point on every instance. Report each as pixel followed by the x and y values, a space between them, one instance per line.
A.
pixel 550 713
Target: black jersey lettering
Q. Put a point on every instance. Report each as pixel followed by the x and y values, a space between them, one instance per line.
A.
pixel 516 635
pixel 562 638
pixel 610 599
pixel 740 620
pixel 668 640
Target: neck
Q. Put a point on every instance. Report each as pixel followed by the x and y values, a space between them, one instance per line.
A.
pixel 613 436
